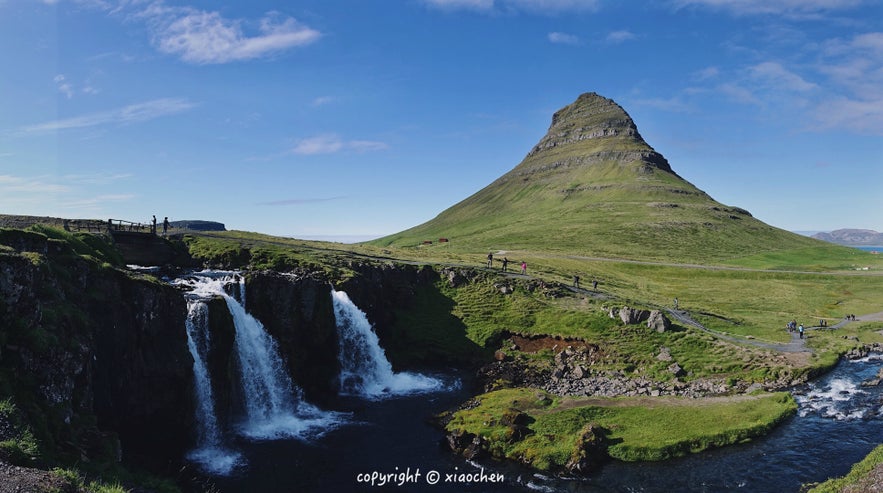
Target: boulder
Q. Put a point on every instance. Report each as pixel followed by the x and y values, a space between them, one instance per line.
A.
pixel 676 370
pixel 658 321
pixel 631 316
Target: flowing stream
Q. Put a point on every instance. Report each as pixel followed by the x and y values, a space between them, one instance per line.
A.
pixel 839 422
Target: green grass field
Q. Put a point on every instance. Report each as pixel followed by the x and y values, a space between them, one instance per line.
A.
pixel 634 429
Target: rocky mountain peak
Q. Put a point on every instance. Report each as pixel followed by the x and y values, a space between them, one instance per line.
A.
pixel 591 116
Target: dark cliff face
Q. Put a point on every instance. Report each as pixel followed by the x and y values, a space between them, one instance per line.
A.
pixel 299 313
pixel 410 315
pixel 91 352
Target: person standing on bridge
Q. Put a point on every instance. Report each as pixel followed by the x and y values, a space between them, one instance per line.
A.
pixel 165 226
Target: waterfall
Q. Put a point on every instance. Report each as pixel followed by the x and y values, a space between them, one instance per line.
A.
pixel 274 405
pixel 365 371
pixel 210 452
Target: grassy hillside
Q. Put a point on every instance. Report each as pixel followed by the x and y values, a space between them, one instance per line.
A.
pixel 592 186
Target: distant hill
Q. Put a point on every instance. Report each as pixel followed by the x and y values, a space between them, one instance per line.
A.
pixel 198 225
pixel 852 237
pixel 593 186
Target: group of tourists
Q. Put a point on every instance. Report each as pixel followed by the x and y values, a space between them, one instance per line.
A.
pixel 793 325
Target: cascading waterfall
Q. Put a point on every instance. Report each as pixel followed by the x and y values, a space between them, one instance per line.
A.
pixel 365 371
pixel 210 452
pixel 274 405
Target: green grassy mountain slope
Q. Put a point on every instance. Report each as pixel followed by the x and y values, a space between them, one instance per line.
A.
pixel 592 186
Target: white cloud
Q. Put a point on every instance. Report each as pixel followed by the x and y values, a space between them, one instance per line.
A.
pixel 333 143
pixel 707 73
pixel 16 184
pixel 772 7
pixel 204 37
pixel 563 38
pixel 854 68
pixel 366 145
pixel 738 93
pixel 620 36
pixel 63 86
pixel 322 144
pixel 531 6
pixel 133 113
pixel 462 4
pixel 775 75
pixel 323 100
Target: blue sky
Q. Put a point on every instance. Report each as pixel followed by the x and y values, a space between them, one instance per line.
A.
pixel 365 117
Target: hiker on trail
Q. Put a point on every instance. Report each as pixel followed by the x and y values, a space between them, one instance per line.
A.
pixel 153 225
pixel 800 330
pixel 676 303
pixel 505 264
pixel 490 260
pixel 576 282
pixel 594 284
pixel 523 268
pixel 165 226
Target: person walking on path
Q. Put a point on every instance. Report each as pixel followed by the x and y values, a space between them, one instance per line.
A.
pixel 165 226
pixel 490 260
pixel 594 284
pixel 676 303
pixel 576 282
pixel 505 264
pixel 523 268
pixel 800 330
pixel 153 225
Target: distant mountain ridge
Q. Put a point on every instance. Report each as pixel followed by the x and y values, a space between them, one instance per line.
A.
pixel 852 237
pixel 593 186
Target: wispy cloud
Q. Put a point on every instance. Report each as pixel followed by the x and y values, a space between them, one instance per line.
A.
pixel 563 38
pixel 333 143
pixel 10 184
pixel 529 6
pixel 63 86
pixel 854 68
pixel 98 201
pixel 772 7
pixel 133 113
pixel 323 100
pixel 301 201
pixel 207 37
pixel 773 74
pixel 620 36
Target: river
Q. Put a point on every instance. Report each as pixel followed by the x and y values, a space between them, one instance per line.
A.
pixel 838 423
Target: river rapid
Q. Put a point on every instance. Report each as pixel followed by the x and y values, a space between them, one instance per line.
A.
pixel 391 443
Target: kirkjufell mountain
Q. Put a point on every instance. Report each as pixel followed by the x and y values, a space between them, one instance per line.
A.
pixel 593 186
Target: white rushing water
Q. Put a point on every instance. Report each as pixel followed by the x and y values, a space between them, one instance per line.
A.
pixel 274 405
pixel 210 452
pixel 365 371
